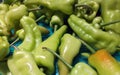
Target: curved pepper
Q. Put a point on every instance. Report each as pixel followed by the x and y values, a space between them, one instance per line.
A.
pixel 13 16
pixel 87 9
pixel 43 58
pixel 21 33
pixel 65 6
pixel 82 68
pixel 28 43
pixel 4 47
pixel 110 11
pixel 104 63
pixel 23 63
pixel 69 48
pixel 96 38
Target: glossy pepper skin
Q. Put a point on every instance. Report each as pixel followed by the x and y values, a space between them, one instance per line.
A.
pixel 104 63
pixel 4 47
pixel 13 16
pixel 110 11
pixel 23 63
pixel 87 9
pixel 96 38
pixel 82 68
pixel 21 33
pixel 28 43
pixel 45 59
pixel 65 6
pixel 69 48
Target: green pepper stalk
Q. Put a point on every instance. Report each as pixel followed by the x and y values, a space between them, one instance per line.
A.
pixel 4 47
pixel 80 68
pixel 45 59
pixel 87 9
pixel 65 6
pixel 68 49
pixel 110 11
pixel 13 16
pixel 23 63
pixel 104 63
pixel 96 38
pixel 28 43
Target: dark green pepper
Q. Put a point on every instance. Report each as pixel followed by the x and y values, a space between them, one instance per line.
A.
pixel 96 38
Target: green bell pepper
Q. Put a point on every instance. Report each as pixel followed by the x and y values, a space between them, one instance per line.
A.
pixel 104 63
pixel 96 38
pixel 110 11
pixel 4 47
pixel 43 58
pixel 68 49
pixel 82 68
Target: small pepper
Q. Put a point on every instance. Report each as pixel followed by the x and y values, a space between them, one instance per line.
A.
pixel 45 59
pixel 68 49
pixel 104 63
pixel 23 63
pixel 65 6
pixel 4 47
pixel 110 11
pixel 57 20
pixel 96 38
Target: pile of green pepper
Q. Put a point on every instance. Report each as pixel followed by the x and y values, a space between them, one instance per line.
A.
pixel 74 23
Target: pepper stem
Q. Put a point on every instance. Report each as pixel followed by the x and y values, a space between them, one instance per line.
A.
pixel 55 27
pixel 14 41
pixel 40 18
pixel 88 46
pixel 62 59
pixel 113 22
